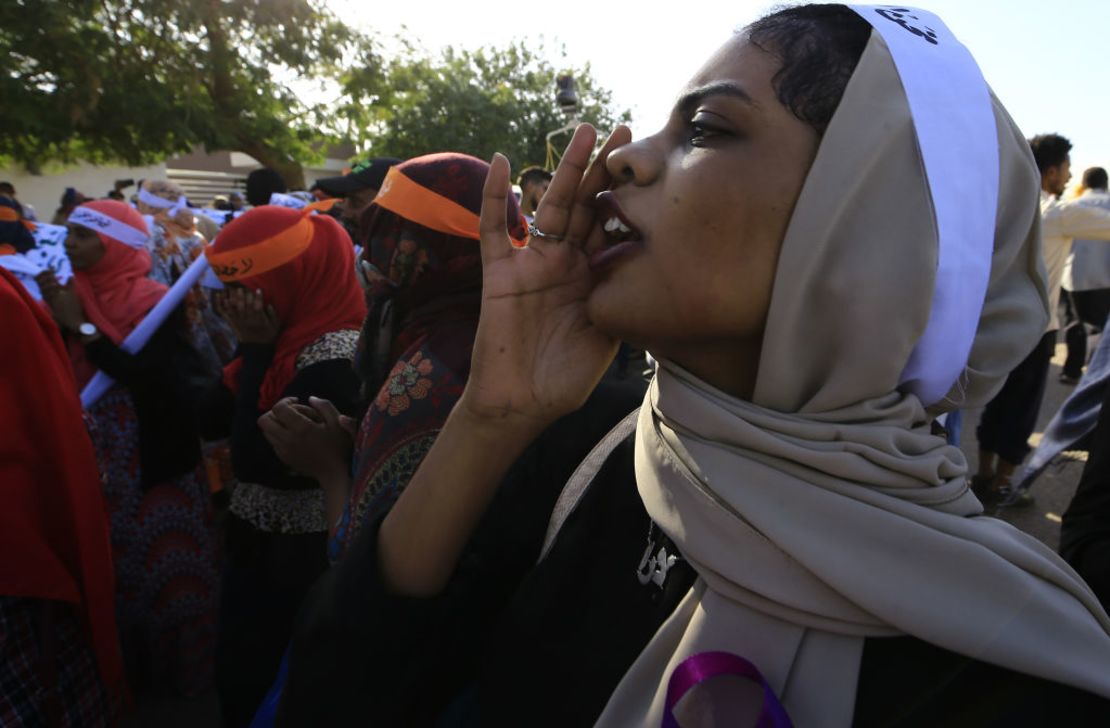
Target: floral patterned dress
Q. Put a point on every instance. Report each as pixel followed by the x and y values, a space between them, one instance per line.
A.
pixel 164 552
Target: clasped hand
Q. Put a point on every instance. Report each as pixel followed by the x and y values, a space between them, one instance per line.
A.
pixel 314 439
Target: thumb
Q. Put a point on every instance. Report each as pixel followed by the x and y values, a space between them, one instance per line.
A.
pixel 327 411
pixel 348 424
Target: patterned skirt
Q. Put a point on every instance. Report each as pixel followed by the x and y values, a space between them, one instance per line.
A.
pixel 164 549
pixel 48 671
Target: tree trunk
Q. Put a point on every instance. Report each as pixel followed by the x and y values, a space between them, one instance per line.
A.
pixel 290 170
pixel 223 95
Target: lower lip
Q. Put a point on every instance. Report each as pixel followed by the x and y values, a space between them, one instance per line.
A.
pixel 606 256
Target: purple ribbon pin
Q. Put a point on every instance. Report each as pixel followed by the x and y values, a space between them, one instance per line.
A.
pixel 698 668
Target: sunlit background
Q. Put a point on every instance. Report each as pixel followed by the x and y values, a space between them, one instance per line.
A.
pixel 1047 61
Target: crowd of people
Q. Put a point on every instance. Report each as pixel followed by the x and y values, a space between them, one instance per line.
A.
pixel 380 463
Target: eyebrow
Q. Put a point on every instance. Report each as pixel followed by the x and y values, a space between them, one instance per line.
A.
pixel 717 88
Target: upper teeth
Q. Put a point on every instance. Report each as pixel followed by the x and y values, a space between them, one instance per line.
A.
pixel 614 224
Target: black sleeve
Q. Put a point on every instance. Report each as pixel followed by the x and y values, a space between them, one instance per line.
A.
pixel 252 458
pixel 1085 530
pixel 165 379
pixel 150 361
pixel 357 647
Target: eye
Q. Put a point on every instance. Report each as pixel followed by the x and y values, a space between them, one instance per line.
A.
pixel 701 130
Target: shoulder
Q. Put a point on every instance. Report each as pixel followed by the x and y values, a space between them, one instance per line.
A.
pixel 332 345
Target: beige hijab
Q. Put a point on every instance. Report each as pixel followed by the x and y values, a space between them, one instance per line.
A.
pixel 824 512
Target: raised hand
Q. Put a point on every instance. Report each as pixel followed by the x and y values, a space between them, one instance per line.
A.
pixel 537 356
pixel 62 300
pixel 252 320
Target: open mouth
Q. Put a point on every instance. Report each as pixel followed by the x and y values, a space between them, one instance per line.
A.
pixel 621 236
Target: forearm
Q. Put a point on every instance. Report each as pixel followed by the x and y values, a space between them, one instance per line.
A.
pixel 337 488
pixel 424 534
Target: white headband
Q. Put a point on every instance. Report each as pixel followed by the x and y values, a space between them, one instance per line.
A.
pixel 958 141
pixel 113 228
pixel 290 201
pixel 171 207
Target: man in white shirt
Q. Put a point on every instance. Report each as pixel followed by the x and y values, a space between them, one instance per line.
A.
pixel 1009 419
pixel 1086 280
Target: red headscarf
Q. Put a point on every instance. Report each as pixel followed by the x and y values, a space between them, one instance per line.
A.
pixel 313 293
pixel 53 525
pixel 115 293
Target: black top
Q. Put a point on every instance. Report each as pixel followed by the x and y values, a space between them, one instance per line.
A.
pixel 512 643
pixel 253 459
pixel 1085 532
pixel 164 379
pixel 291 560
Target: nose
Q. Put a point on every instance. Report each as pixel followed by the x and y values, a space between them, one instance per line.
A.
pixel 638 163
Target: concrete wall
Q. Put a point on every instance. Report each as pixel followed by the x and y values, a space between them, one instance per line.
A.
pixel 44 191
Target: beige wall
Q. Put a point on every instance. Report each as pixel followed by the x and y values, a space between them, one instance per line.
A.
pixel 44 191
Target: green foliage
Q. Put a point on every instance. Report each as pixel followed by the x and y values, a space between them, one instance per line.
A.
pixel 136 80
pixel 477 102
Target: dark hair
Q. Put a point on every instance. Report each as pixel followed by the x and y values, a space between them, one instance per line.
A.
pixel 1049 150
pixel 261 183
pixel 819 46
pixel 1094 178
pixel 6 188
pixel 533 175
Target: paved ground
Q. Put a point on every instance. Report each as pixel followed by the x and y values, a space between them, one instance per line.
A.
pixel 1053 492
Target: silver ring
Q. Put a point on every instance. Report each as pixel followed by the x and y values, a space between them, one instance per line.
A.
pixel 535 232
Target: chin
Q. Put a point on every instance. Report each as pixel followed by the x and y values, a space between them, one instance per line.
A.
pixel 622 313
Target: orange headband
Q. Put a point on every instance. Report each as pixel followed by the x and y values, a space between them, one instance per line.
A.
pixel 402 196
pixel 265 255
pixel 8 214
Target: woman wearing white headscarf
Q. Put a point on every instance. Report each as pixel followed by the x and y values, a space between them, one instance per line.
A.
pixel 174 244
pixel 814 291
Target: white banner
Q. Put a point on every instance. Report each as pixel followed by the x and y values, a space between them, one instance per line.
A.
pixel 49 253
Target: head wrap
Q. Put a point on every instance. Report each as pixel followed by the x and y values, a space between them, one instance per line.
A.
pixel 304 266
pixel 420 236
pixel 824 511
pixel 115 293
pixel 167 203
pixel 15 231
pixel 53 525
pixel 424 280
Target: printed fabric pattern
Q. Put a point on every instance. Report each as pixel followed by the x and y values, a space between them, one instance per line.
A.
pixel 73 695
pixel 164 553
pixel 399 428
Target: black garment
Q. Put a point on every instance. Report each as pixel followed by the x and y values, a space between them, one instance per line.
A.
pixel 512 643
pixel 1010 418
pixel 164 379
pixel 1085 531
pixel 1086 308
pixel 267 574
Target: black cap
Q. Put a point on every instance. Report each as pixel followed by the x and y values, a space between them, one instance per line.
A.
pixel 365 175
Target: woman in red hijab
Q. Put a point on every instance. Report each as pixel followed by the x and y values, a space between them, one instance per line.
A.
pixel 146 439
pixel 292 297
pixel 59 652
